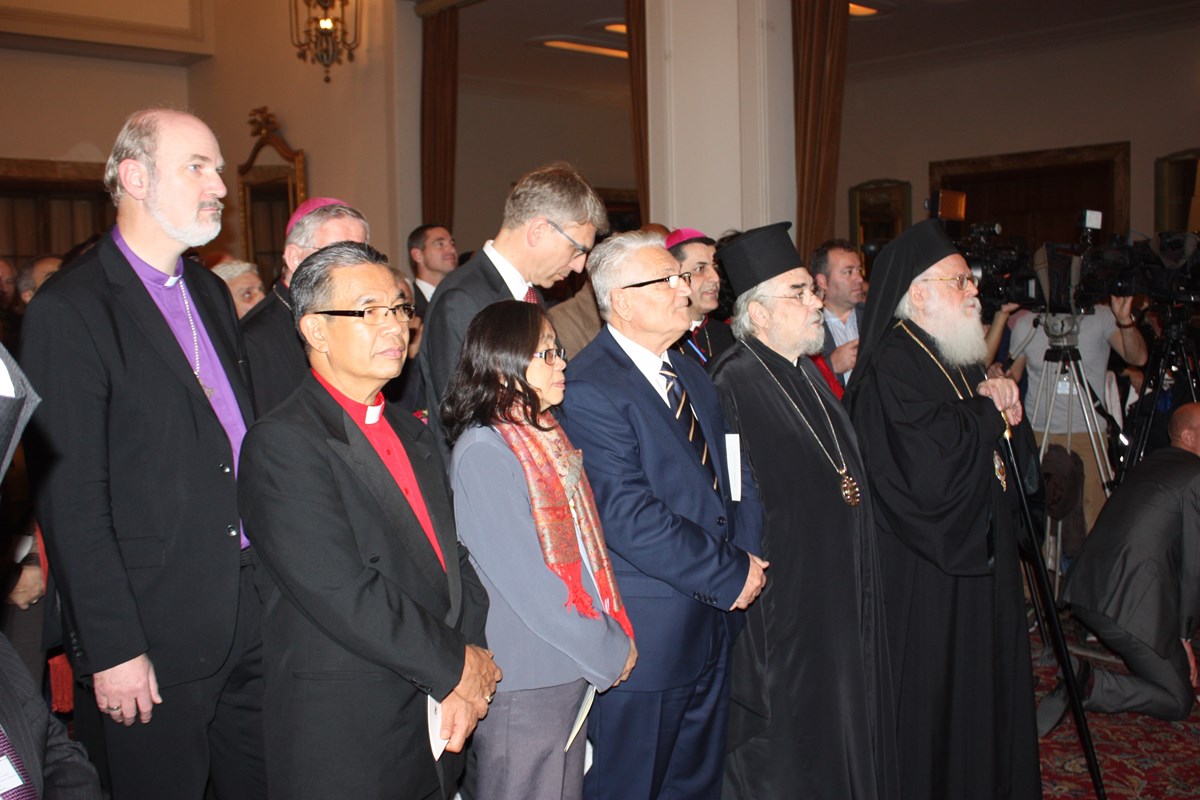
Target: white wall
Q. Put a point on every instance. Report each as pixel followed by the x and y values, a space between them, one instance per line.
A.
pixel 1143 89
pixel 503 136
pixel 69 108
pixel 354 145
pixel 360 132
pixel 720 117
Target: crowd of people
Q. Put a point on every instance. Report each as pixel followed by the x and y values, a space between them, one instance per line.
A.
pixel 370 532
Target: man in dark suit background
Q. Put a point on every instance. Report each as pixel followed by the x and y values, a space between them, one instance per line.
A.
pixel 138 359
pixel 837 269
pixel 432 256
pixel 277 362
pixel 1136 583
pixel 682 562
pixel 551 219
pixel 375 610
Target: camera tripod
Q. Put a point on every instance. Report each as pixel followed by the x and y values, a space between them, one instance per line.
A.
pixel 1171 356
pixel 1068 379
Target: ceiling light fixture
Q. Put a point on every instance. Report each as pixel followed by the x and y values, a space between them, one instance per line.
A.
pixel 857 10
pixel 320 32
pixel 619 28
pixel 579 47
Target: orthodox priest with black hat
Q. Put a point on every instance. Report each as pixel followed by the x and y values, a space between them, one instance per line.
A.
pixel 812 707
pixel 931 428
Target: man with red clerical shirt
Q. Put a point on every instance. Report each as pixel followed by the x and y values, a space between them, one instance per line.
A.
pixel 374 622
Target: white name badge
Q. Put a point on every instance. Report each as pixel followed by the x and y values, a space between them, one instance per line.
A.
pixel 9 777
pixel 733 459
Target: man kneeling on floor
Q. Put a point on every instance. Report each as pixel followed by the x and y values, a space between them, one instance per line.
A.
pixel 1136 585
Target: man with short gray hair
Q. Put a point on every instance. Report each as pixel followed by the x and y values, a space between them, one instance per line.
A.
pixel 551 218
pixel 277 361
pixel 649 424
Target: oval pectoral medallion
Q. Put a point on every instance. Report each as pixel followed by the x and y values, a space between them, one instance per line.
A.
pixel 850 491
pixel 1001 471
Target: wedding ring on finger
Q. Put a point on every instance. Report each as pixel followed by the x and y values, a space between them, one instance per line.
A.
pixel 113 709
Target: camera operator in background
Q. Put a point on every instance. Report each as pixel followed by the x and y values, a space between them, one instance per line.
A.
pixel 1110 328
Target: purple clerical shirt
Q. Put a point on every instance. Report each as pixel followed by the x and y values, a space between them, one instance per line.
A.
pixel 167 293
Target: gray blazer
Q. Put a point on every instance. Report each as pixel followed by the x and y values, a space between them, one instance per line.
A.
pixel 536 640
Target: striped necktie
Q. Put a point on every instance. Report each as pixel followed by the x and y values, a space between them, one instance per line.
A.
pixel 682 409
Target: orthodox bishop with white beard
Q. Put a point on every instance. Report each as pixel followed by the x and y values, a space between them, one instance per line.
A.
pixel 931 428
pixel 812 707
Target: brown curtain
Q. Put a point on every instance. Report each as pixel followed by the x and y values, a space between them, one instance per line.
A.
pixel 635 19
pixel 439 115
pixel 819 72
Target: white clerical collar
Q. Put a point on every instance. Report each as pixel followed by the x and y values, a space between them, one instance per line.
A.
pixel 513 279
pixel 374 413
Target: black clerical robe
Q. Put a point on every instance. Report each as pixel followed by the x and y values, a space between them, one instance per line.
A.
pixel 948 533
pixel 812 706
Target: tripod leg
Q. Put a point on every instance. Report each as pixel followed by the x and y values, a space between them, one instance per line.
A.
pixel 1053 630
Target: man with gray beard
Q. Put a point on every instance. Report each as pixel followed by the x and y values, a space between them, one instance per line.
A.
pixel 811 712
pixel 931 426
pixel 145 400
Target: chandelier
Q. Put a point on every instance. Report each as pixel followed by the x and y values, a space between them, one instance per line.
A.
pixel 320 32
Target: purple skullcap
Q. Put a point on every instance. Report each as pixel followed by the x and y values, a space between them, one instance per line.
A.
pixel 681 235
pixel 307 207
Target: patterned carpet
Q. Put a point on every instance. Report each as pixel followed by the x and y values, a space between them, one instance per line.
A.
pixel 1140 757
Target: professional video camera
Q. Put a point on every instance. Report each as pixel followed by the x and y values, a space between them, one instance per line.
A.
pixel 1073 278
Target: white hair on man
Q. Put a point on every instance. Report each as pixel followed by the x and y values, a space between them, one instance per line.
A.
pixel 957 329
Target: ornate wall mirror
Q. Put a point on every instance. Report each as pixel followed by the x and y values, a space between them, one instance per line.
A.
pixel 271 184
pixel 1176 192
pixel 879 211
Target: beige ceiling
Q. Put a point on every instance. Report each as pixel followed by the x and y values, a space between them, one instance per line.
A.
pixel 494 53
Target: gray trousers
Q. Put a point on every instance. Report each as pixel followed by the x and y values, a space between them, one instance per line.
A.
pixel 1156 686
pixel 519 746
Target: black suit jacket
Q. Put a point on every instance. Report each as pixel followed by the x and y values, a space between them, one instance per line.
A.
pixel 362 622
pixel 274 349
pixel 1140 567
pixel 136 493
pixel 57 767
pixel 459 297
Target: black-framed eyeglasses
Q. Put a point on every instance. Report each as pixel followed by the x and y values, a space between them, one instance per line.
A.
pixel 802 294
pixel 374 315
pixel 552 355
pixel 669 280
pixel 583 251
pixel 960 280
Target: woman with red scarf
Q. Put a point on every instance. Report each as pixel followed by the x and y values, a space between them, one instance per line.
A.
pixel 524 509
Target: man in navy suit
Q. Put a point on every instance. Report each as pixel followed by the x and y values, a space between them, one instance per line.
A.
pixel 653 439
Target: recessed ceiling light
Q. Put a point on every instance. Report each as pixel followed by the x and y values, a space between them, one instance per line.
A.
pixel 579 47
pixel 871 9
pixel 617 27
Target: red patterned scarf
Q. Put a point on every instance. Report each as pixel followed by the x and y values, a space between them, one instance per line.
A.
pixel 562 500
